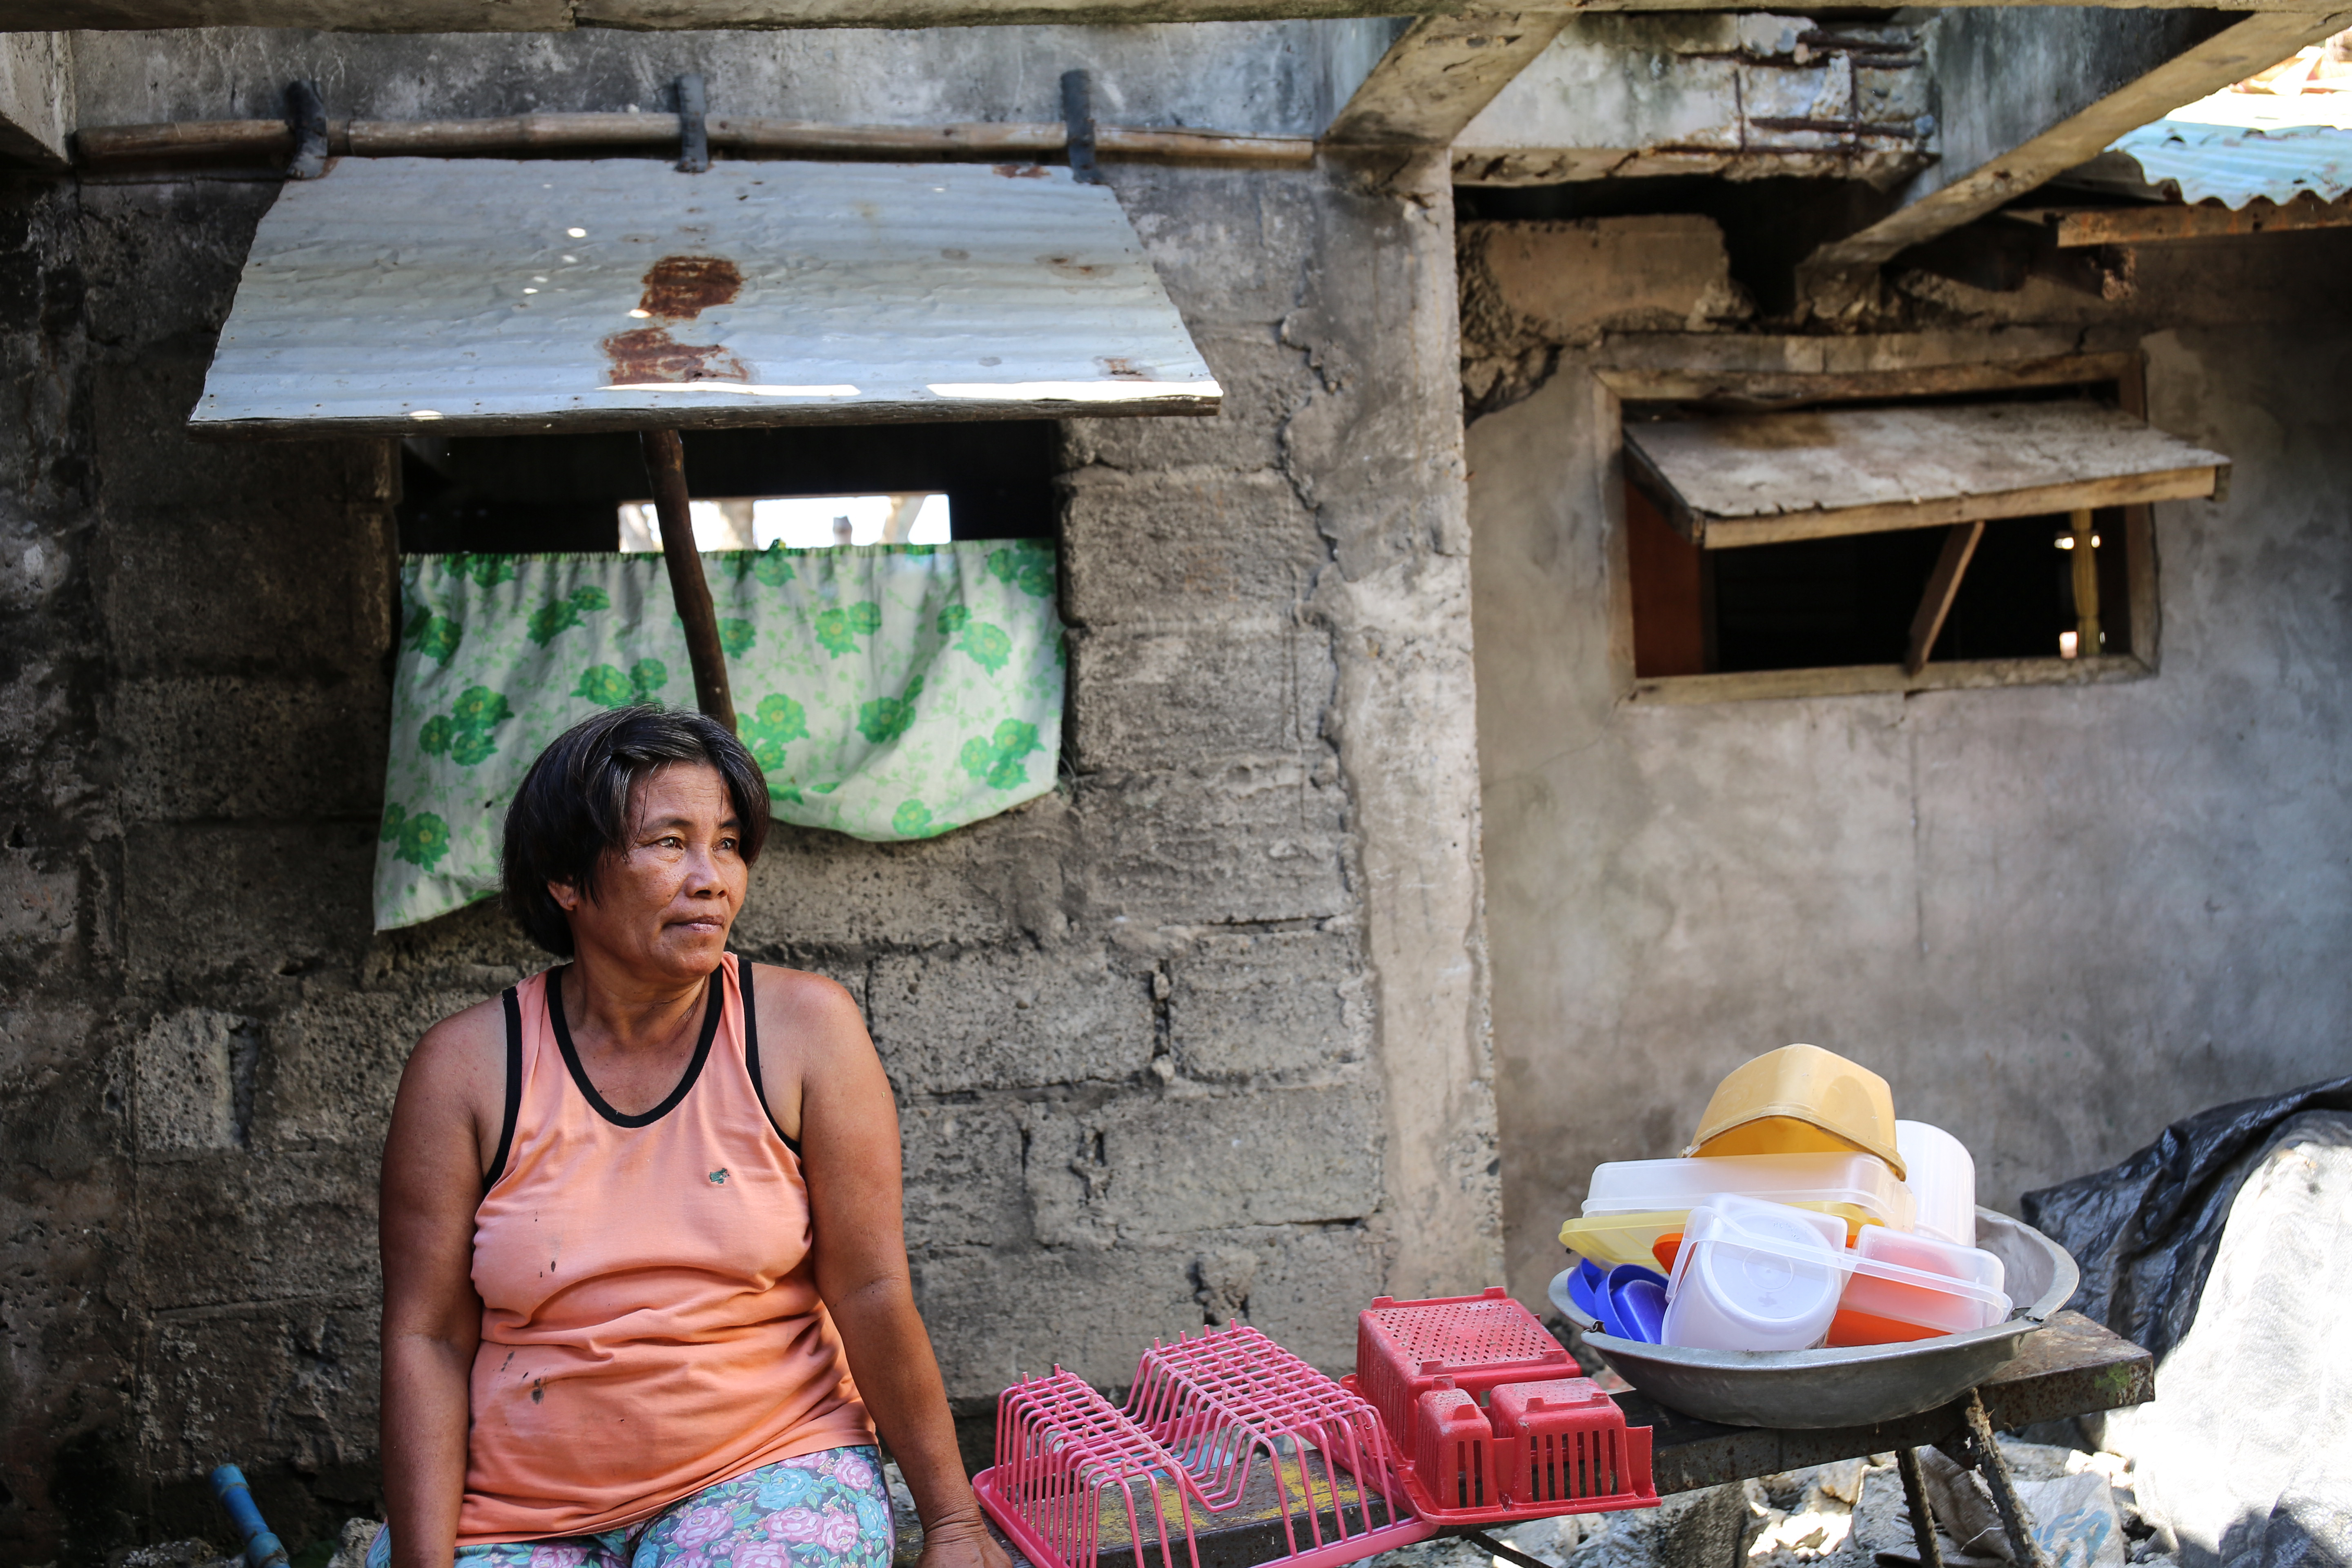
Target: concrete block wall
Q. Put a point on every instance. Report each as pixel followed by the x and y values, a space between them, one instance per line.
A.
pixel 1199 1036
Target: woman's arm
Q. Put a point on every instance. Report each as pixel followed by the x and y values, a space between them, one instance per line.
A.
pixel 849 1141
pixel 433 1163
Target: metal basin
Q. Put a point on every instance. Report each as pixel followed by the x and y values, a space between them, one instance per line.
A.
pixel 1849 1387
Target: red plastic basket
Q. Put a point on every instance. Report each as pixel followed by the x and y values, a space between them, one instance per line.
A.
pixel 1545 1445
pixel 1404 1348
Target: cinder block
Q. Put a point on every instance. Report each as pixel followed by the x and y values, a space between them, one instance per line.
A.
pixel 1242 1005
pixel 291 1382
pixel 1148 1169
pixel 998 1317
pixel 1184 547
pixel 1227 244
pixel 244 902
pixel 148 461
pixel 40 907
pixel 962 1169
pixel 1307 1292
pixel 1182 698
pixel 332 1064
pixel 192 1074
pixel 1007 1017
pixel 1260 840
pixel 210 585
pixel 216 747
pixel 224 1227
pixel 1264 381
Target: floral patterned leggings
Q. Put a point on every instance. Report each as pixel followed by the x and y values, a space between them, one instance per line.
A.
pixel 828 1509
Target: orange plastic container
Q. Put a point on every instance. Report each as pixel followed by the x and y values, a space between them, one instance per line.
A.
pixel 1800 1099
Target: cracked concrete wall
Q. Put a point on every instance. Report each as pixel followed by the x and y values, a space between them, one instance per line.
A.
pixel 1201 1035
pixel 2055 918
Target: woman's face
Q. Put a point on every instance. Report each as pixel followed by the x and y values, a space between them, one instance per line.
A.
pixel 664 904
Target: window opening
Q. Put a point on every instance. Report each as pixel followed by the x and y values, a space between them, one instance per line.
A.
pixel 800 522
pixel 989 479
pixel 2029 590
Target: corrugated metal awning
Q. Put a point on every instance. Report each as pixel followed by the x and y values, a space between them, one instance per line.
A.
pixel 1732 479
pixel 2236 166
pixel 395 295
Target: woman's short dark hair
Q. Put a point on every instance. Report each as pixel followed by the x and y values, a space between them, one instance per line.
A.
pixel 575 808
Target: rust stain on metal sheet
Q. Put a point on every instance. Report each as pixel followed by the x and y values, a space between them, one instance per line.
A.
pixel 1121 368
pixel 680 288
pixel 651 354
pixel 1022 171
pixel 1070 269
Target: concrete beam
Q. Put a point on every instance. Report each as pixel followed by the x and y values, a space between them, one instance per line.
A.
pixel 36 98
pixel 1744 97
pixel 1438 75
pixel 2029 94
pixel 561 15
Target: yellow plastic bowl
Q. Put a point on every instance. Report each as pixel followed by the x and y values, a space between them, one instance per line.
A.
pixel 1800 1099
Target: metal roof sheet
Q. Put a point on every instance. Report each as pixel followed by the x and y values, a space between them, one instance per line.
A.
pixel 473 295
pixel 2234 165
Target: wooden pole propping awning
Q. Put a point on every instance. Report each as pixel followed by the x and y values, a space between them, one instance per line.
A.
pixel 1732 479
pixel 420 295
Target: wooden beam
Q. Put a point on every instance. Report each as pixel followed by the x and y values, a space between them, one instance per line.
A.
pixel 1856 679
pixel 1798 389
pixel 2074 226
pixel 268 141
pixel 1943 587
pixel 2085 564
pixel 1837 274
pixel 1438 75
pixel 1737 533
pixel 666 465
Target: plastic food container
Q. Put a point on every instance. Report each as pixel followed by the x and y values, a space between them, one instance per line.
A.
pixel 1800 1099
pixel 1756 1276
pixel 1845 1181
pixel 1914 1288
pixel 1610 1239
pixel 1943 1182
pixel 1633 1303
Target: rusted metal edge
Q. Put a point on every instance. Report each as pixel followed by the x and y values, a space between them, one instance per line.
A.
pixel 731 415
pixel 2072 228
pixel 262 141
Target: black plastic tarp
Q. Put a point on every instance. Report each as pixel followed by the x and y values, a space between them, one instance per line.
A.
pixel 2145 1231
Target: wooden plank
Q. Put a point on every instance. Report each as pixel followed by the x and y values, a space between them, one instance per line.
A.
pixel 1438 75
pixel 2085 566
pixel 689 589
pixel 1734 480
pixel 1798 389
pixel 2076 226
pixel 1943 586
pixel 1672 628
pixel 1881 679
pixel 1833 271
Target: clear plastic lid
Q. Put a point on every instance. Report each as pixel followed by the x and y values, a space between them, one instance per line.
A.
pixel 1862 1182
pixel 1917 1270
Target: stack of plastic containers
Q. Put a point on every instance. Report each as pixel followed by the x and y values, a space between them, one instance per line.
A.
pixel 1803 1213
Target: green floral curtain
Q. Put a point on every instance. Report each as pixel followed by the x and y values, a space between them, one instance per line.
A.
pixel 890 691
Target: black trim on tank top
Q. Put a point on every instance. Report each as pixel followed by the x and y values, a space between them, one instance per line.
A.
pixel 580 1076
pixel 751 1051
pixel 514 1092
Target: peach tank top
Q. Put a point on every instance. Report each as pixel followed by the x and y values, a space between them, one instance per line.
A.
pixel 650 1322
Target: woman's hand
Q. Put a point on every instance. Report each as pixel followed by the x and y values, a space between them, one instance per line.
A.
pixel 960 1539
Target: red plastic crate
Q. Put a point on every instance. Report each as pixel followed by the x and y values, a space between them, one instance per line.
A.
pixel 1566 1442
pixel 1547 1443
pixel 1404 1348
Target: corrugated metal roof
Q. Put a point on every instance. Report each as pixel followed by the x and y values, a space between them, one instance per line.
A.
pixel 2234 165
pixel 399 294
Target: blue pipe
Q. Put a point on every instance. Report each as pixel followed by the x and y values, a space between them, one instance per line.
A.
pixel 262 1550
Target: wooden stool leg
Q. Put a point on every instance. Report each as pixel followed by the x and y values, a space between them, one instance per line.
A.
pixel 1915 1495
pixel 2025 1551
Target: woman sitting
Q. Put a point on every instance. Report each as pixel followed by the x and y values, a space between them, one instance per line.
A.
pixel 641 1217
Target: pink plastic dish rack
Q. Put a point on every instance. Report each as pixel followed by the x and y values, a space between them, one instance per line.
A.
pixel 1209 1415
pixel 1547 1442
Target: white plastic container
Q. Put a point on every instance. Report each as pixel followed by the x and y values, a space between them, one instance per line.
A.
pixel 1756 1276
pixel 1859 1185
pixel 1913 1287
pixel 1943 1182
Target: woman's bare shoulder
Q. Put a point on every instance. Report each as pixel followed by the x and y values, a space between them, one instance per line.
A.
pixel 808 1009
pixel 464 1051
